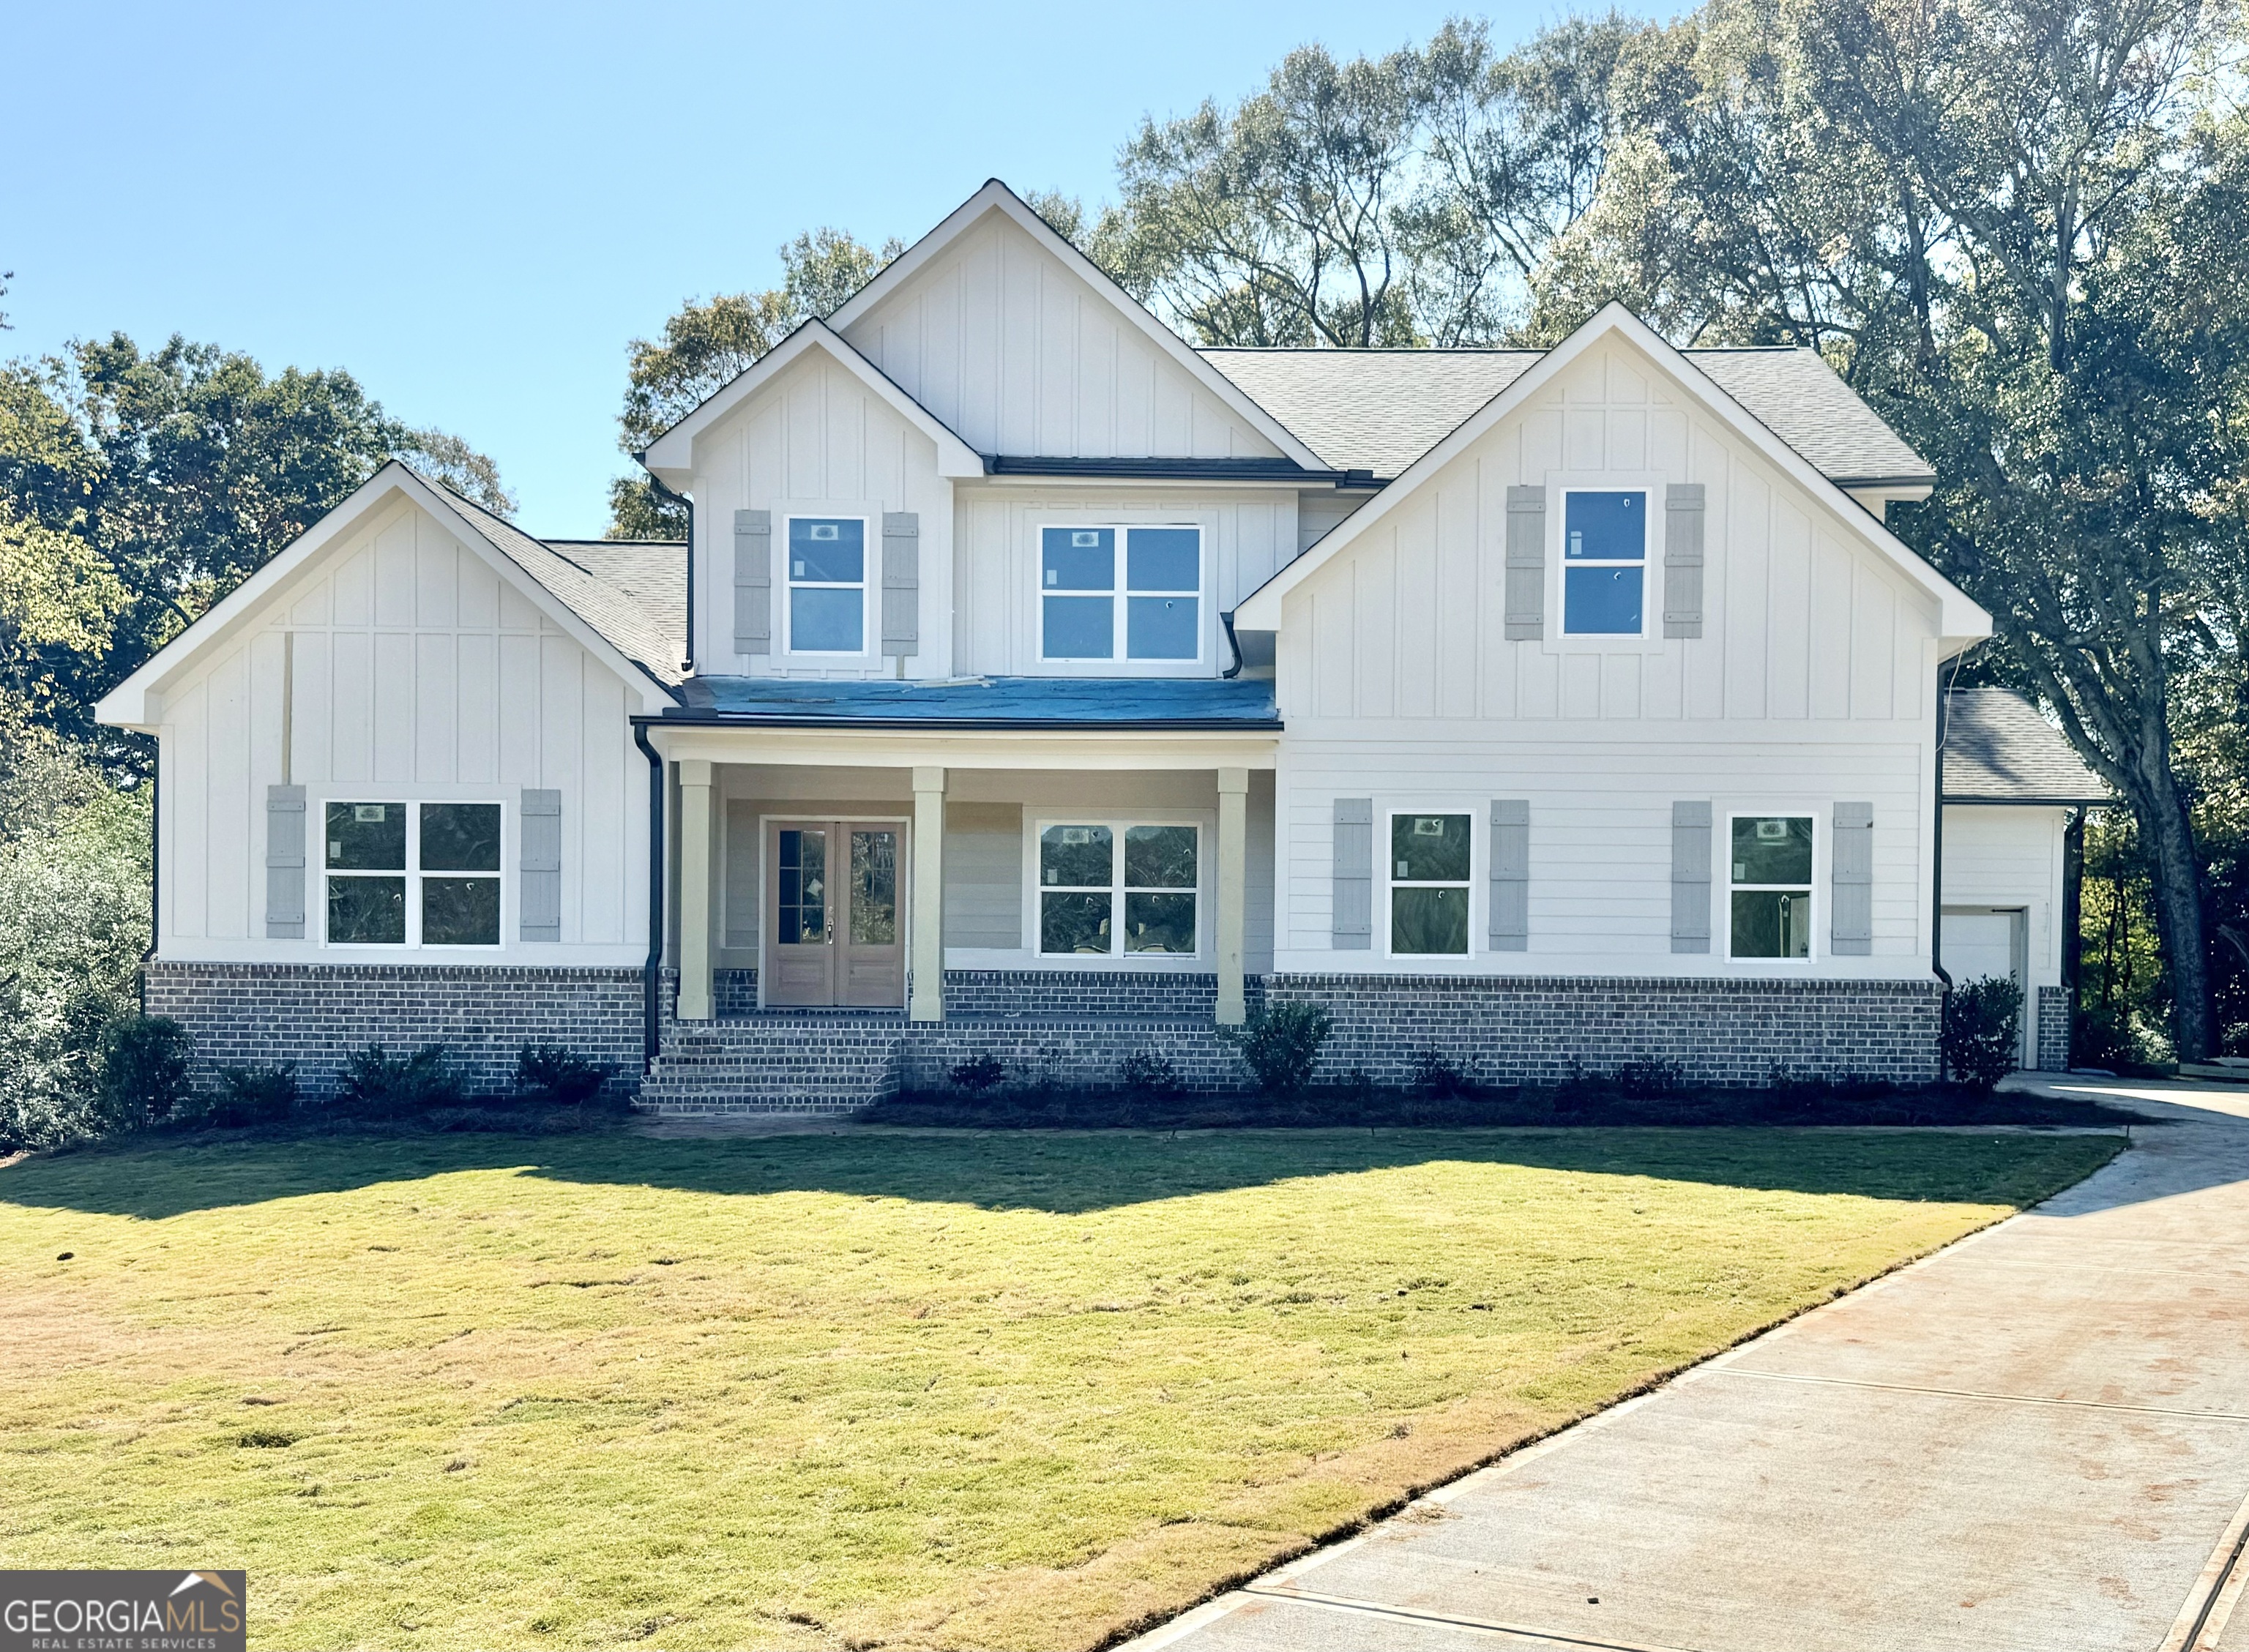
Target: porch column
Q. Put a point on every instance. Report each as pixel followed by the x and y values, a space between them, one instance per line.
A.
pixel 1233 877
pixel 926 999
pixel 694 890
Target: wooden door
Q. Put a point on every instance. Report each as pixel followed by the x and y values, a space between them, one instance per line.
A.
pixel 835 914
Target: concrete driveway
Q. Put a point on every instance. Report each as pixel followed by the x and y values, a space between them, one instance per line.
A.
pixel 2038 1439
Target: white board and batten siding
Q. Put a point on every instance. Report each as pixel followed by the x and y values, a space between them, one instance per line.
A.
pixel 1808 687
pixel 817 442
pixel 1016 353
pixel 404 670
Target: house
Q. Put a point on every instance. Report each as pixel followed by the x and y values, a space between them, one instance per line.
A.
pixel 1032 684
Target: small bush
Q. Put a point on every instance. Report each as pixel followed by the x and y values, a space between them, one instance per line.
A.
pixel 1151 1077
pixel 1651 1080
pixel 1982 1022
pixel 557 1076
pixel 980 1073
pixel 1281 1043
pixel 143 1064
pixel 386 1086
pixel 1438 1075
pixel 252 1095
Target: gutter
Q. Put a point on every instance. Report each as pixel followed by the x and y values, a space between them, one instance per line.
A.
pixel 651 970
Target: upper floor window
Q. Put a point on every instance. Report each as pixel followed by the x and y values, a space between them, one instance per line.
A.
pixel 827 584
pixel 1603 562
pixel 1771 886
pixel 407 874
pixel 1145 604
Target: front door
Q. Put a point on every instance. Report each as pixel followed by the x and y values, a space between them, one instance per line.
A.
pixel 834 929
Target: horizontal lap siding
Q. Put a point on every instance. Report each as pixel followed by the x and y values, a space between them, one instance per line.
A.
pixel 2007 857
pixel 408 668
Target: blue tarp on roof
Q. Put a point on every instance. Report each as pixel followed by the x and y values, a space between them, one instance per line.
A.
pixel 985 701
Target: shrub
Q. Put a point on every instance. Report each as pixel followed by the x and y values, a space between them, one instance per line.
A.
pixel 386 1086
pixel 1150 1076
pixel 980 1074
pixel 253 1096
pixel 558 1076
pixel 143 1063
pixel 1652 1078
pixel 1981 1034
pixel 1280 1043
pixel 1437 1074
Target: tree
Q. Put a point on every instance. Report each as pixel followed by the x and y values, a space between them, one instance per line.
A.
pixel 448 459
pixel 707 344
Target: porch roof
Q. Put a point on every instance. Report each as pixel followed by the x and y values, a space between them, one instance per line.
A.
pixel 981 703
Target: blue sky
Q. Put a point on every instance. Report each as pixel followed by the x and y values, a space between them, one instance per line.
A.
pixel 474 209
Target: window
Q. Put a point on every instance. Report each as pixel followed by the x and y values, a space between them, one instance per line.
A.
pixel 1105 890
pixel 1771 877
pixel 448 852
pixel 1156 610
pixel 827 584
pixel 1429 856
pixel 1603 563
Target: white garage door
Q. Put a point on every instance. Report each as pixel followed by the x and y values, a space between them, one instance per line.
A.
pixel 1981 944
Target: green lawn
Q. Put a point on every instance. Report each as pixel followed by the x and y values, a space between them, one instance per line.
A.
pixel 948 1390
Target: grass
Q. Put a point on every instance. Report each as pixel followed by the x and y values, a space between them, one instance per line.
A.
pixel 942 1390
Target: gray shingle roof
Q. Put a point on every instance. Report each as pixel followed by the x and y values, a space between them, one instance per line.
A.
pixel 1379 411
pixel 1998 748
pixel 634 596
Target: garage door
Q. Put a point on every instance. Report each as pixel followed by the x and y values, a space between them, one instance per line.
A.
pixel 1985 943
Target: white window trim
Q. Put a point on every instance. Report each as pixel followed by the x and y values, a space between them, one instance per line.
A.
pixel 1118 594
pixel 1649 639
pixel 1034 912
pixel 1478 852
pixel 871 552
pixel 412 872
pixel 1724 849
pixel 1648 556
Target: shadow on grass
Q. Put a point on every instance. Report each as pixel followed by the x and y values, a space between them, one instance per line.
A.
pixel 1058 1174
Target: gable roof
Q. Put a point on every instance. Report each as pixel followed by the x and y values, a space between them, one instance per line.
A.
pixel 670 457
pixel 1999 749
pixel 1379 411
pixel 1960 618
pixel 996 197
pixel 598 615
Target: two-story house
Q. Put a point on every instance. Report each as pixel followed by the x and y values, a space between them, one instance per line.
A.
pixel 1033 684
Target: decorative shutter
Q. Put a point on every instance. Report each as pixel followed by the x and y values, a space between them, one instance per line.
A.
pixel 1511 875
pixel 1690 877
pixel 1353 929
pixel 1526 564
pixel 285 863
pixel 1682 559
pixel 1853 880
pixel 752 582
pixel 540 872
pixel 901 584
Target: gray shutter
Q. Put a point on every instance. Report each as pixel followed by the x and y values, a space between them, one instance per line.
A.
pixel 1682 559
pixel 285 863
pixel 752 582
pixel 901 584
pixel 540 872
pixel 1511 875
pixel 1526 564
pixel 1853 880
pixel 1353 930
pixel 1690 877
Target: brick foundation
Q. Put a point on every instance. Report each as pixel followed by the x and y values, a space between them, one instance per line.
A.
pixel 2053 1030
pixel 259 1014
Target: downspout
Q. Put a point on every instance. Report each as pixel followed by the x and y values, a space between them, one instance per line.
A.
pixel 651 970
pixel 155 866
pixel 1232 642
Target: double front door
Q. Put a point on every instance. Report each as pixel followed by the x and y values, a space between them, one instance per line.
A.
pixel 835 921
